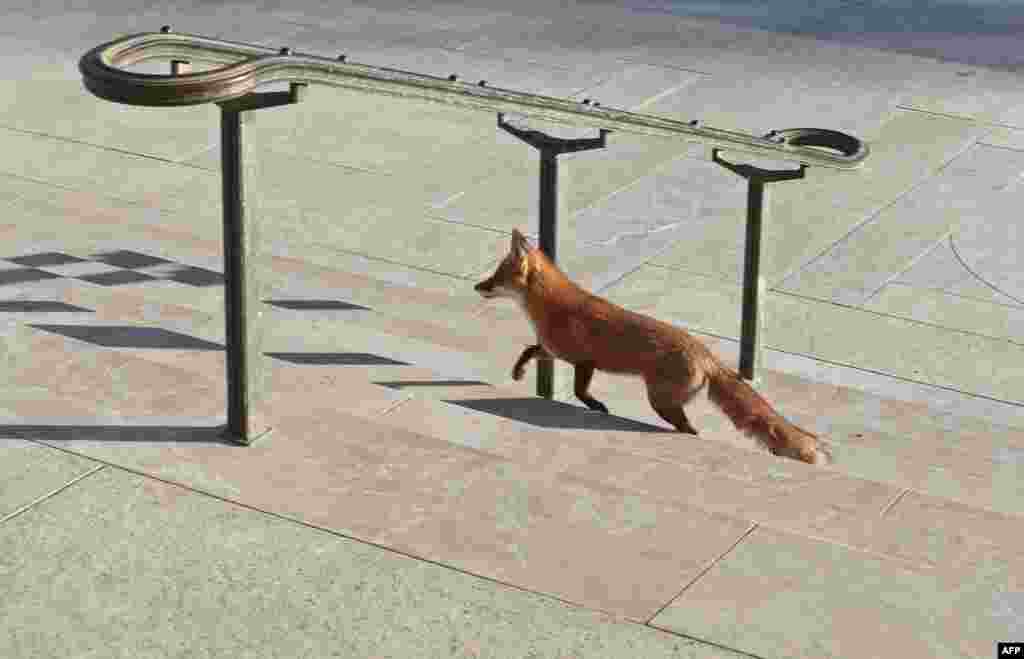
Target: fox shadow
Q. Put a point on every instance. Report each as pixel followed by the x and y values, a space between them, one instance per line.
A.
pixel 554 414
pixel 539 412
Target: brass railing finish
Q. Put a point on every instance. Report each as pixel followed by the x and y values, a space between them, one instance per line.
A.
pixel 247 66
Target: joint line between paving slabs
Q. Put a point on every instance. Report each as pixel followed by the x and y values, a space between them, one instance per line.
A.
pixel 394 406
pixel 49 495
pixel 896 500
pixel 435 215
pixel 370 257
pixel 137 154
pixel 705 641
pixel 946 237
pixel 706 569
pixel 935 113
pixel 990 145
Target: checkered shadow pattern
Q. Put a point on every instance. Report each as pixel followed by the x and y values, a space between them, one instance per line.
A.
pixel 112 268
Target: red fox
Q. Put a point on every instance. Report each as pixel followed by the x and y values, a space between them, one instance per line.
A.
pixel 592 333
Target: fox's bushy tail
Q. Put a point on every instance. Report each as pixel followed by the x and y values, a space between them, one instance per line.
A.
pixel 753 416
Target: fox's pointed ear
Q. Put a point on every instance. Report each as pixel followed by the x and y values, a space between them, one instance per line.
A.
pixel 520 246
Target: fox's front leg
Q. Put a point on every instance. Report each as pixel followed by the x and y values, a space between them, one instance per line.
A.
pixel 532 352
pixel 584 373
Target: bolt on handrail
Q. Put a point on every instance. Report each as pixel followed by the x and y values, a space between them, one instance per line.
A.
pixel 246 66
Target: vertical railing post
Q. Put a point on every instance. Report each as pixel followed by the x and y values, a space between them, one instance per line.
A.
pixel 753 282
pixel 245 369
pixel 548 207
pixel 550 147
pixel 548 230
pixel 238 367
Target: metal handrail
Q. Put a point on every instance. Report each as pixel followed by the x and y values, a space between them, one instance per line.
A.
pixel 246 66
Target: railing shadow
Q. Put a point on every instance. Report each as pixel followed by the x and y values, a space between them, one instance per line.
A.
pixel 111 434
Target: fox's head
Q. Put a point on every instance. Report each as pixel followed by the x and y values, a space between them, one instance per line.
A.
pixel 511 277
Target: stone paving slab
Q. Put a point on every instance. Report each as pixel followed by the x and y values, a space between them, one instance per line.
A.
pixel 978 92
pixel 988 248
pixel 920 82
pixel 87 167
pixel 947 535
pixel 509 200
pixel 812 98
pixel 936 307
pixel 374 284
pixel 973 184
pixel 349 231
pixel 320 337
pixel 31 471
pixel 358 26
pixel 942 269
pixel 1005 136
pixel 376 133
pixel 984 434
pixel 497 69
pixel 986 481
pixel 138 562
pixel 99 222
pixel 779 594
pixel 254 24
pixel 46 365
pixel 290 190
pixel 584 45
pixel 827 206
pixel 640 86
pixel 719 48
pixel 676 204
pixel 508 525
pixel 51 102
pixel 660 465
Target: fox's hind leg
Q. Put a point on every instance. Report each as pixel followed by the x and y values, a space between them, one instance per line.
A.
pixel 584 374
pixel 669 392
pixel 667 405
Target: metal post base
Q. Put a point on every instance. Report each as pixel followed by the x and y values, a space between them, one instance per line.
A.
pixel 550 148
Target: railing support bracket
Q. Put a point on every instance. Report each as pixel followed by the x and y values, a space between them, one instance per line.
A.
pixel 550 147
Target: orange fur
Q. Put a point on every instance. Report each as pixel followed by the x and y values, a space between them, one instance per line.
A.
pixel 592 333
